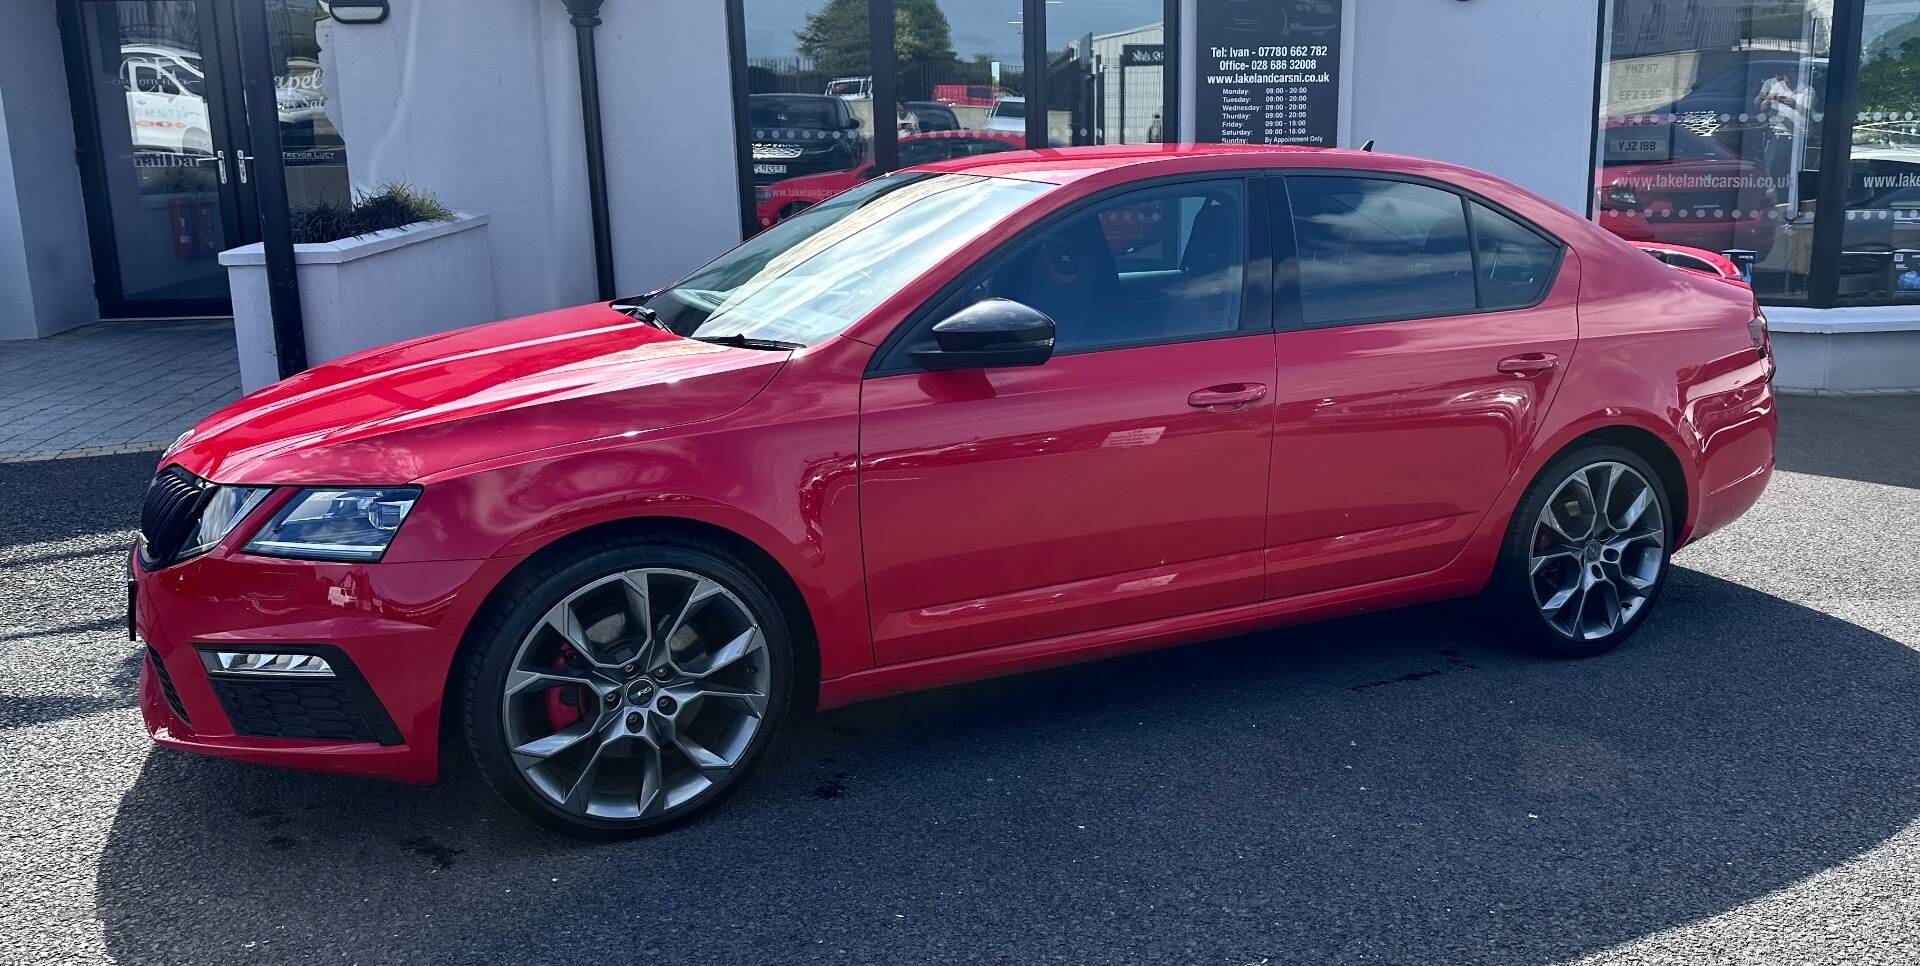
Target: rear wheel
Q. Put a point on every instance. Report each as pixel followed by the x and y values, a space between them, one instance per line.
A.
pixel 629 691
pixel 1586 554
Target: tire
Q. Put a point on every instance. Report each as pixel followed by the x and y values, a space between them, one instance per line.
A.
pixel 659 734
pixel 1610 575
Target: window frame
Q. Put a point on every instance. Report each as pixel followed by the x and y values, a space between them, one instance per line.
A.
pixel 1289 315
pixel 892 357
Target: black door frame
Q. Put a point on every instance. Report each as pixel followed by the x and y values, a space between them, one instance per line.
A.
pixel 229 133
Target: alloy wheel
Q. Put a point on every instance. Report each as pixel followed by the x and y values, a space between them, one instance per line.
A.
pixel 636 693
pixel 1597 549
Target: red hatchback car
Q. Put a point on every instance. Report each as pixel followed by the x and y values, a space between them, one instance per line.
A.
pixel 950 424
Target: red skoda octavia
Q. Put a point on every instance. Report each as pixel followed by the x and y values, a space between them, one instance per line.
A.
pixel 988 415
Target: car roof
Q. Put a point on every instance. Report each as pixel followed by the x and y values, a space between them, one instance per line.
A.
pixel 1064 165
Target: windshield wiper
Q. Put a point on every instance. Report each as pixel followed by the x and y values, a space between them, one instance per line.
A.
pixel 641 312
pixel 738 341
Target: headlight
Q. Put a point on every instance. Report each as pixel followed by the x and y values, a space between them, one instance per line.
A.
pixel 1622 197
pixel 335 524
pixel 228 506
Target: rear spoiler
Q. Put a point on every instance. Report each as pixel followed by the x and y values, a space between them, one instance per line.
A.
pixel 1694 259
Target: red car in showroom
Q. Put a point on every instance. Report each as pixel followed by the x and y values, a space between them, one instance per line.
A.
pixel 781 200
pixel 943 426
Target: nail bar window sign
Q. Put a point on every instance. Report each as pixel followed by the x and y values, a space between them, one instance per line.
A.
pixel 1269 71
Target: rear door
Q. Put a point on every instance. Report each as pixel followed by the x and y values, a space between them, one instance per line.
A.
pixel 1421 335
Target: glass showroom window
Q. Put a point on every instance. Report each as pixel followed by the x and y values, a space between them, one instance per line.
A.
pixel 1106 72
pixel 1710 122
pixel 1880 257
pixel 958 77
pixel 810 109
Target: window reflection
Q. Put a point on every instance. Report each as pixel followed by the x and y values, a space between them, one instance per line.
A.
pixel 810 107
pixel 1881 247
pixel 1094 95
pixel 1710 130
pixel 819 272
pixel 314 152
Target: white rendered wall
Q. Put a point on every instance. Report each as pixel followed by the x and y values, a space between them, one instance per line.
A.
pixel 479 102
pixel 46 268
pixel 1505 86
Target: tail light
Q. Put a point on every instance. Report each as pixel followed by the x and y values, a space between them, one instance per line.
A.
pixel 1757 331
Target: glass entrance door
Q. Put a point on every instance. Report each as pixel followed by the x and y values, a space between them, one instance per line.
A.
pixel 166 156
pixel 160 165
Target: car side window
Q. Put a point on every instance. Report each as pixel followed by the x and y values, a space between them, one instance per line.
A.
pixel 924 152
pixel 1157 265
pixel 1372 250
pixel 1514 263
pixel 979 146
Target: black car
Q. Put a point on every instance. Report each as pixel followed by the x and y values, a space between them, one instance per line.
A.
pixel 799 134
pixel 930 116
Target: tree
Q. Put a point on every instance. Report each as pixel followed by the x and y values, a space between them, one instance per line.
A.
pixel 835 35
pixel 1890 80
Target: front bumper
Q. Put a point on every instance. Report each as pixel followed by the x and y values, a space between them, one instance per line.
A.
pixel 394 627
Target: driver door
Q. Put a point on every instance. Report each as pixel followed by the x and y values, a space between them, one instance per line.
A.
pixel 1124 480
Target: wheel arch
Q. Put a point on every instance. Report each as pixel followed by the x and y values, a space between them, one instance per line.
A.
pixel 786 592
pixel 1648 446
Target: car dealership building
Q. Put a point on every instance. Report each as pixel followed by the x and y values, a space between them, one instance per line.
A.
pixel 1781 133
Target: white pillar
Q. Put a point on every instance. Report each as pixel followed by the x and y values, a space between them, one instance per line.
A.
pixel 46 268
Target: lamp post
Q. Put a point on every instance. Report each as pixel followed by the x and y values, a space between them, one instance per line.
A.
pixel 585 15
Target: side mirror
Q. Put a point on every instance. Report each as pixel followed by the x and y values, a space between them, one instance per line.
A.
pixel 989 334
pixel 853 123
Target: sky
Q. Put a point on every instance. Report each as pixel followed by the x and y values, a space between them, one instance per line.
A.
pixel 978 25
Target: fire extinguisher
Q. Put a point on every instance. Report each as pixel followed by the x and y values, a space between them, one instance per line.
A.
pixel 180 217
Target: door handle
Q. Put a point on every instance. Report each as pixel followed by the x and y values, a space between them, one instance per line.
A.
pixel 220 162
pixel 1529 363
pixel 1231 396
pixel 240 160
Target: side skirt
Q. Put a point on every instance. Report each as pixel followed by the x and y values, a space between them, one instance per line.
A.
pixel 993 662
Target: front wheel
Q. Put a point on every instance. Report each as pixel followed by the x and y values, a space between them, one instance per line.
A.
pixel 630 690
pixel 1586 554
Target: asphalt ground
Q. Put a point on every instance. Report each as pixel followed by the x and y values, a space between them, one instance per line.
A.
pixel 1739 784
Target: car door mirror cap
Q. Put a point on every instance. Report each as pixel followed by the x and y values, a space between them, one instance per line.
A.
pixel 990 334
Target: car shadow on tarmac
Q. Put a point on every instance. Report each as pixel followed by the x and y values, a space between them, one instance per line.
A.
pixel 1386 788
pixel 1865 438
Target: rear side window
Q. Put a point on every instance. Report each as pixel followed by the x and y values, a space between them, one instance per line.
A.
pixel 1373 250
pixel 1514 263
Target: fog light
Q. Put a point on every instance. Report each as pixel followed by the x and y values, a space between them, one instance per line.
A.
pixel 266 664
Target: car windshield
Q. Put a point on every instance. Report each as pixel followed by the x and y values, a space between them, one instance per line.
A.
pixel 1010 109
pixel 810 113
pixel 809 277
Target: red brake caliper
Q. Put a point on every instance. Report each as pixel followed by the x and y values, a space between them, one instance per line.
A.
pixel 563 703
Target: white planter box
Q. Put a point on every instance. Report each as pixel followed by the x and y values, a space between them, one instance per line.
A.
pixel 362 292
pixel 1845 350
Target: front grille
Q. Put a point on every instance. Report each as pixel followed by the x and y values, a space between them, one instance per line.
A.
pixel 274 708
pixel 170 514
pixel 166 686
